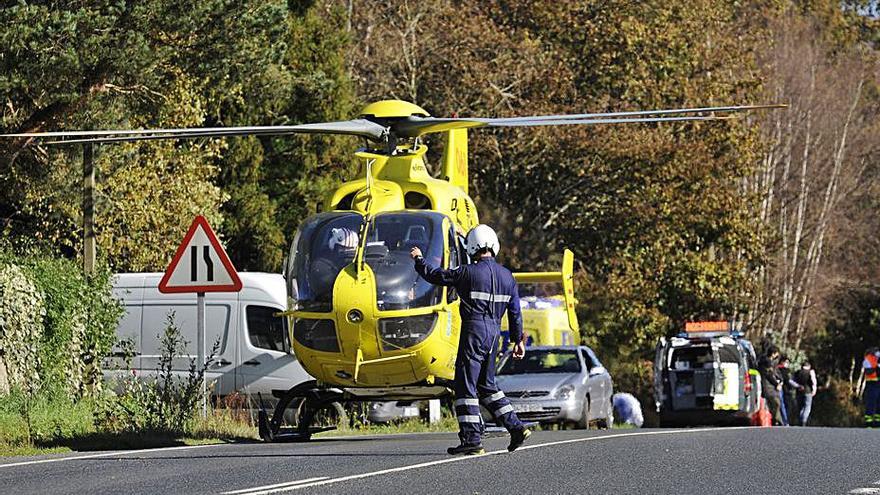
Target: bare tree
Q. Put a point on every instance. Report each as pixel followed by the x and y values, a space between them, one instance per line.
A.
pixel 816 157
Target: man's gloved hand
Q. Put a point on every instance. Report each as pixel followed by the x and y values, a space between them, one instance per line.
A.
pixel 519 350
pixel 415 252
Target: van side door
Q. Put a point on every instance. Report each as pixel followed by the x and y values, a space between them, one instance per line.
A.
pixel 128 330
pixel 266 362
pixel 220 315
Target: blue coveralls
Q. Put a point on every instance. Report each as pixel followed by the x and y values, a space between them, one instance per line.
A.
pixel 486 290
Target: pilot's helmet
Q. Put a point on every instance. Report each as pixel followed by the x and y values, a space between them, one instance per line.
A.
pixel 342 239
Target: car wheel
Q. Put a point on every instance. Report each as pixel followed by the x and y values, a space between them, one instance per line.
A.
pixel 584 422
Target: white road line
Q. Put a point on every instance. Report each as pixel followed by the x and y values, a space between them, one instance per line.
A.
pixel 107 454
pixel 330 481
pixel 263 490
pixel 866 491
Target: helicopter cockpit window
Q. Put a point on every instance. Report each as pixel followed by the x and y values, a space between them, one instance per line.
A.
pixel 389 241
pixel 323 246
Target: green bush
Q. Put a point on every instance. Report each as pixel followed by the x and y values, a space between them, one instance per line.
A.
pixel 168 404
pixel 22 312
pixel 835 405
pixel 56 324
pixel 80 325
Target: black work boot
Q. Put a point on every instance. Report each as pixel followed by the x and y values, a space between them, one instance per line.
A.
pixel 466 450
pixel 517 437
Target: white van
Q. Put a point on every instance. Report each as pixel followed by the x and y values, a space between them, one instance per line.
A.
pixel 254 352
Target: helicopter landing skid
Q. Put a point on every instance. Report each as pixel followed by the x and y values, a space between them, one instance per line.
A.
pixel 312 402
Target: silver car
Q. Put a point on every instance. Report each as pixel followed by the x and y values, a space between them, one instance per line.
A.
pixel 558 384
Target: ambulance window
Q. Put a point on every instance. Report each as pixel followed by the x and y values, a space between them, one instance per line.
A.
pixel 688 358
pixel 728 354
pixel 265 330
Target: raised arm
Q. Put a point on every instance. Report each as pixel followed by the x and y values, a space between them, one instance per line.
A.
pixel 436 275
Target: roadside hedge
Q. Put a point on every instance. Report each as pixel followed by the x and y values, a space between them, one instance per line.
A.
pixel 56 325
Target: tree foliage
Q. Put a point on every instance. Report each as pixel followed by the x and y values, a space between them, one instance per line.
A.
pixel 103 64
pixel 653 213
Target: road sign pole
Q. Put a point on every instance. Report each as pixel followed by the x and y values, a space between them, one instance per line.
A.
pixel 200 265
pixel 200 324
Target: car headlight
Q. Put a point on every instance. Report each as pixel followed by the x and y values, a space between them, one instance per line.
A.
pixel 565 392
pixel 407 331
pixel 319 335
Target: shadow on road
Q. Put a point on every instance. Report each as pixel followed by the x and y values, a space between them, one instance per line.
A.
pixel 280 456
pixel 97 442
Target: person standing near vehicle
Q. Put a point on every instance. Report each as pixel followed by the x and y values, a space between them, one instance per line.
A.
pixel 872 388
pixel 789 403
pixel 806 382
pixel 771 383
pixel 487 290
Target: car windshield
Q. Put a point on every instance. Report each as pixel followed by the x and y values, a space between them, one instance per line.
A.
pixel 542 361
pixel 324 245
pixel 389 241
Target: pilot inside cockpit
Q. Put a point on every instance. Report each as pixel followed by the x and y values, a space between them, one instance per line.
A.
pixel 343 242
pixel 342 246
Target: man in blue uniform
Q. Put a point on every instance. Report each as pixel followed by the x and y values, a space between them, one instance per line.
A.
pixel 487 290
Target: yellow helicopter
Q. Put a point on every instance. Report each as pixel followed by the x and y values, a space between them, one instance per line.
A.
pixel 363 323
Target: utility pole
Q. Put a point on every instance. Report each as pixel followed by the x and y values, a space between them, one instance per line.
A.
pixel 88 206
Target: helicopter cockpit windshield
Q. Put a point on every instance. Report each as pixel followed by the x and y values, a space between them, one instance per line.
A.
pixel 323 246
pixel 390 238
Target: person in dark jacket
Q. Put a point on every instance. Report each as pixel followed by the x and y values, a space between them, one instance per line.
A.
pixel 789 403
pixel 487 290
pixel 806 381
pixel 771 383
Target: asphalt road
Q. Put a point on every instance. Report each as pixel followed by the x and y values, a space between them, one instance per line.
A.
pixel 699 461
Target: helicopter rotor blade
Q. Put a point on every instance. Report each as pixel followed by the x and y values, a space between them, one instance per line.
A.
pixel 419 126
pixel 357 127
pixel 643 113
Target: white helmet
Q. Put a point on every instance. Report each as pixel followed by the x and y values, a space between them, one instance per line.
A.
pixel 482 236
pixel 344 238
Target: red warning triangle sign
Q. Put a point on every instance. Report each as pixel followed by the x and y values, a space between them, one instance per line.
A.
pixel 200 264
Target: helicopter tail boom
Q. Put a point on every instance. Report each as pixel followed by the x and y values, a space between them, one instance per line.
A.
pixel 455 158
pixel 564 276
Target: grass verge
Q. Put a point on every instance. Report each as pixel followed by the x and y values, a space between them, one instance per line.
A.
pixel 59 427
